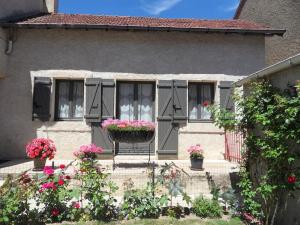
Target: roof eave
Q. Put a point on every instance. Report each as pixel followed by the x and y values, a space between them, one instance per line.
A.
pixel 115 27
pixel 285 64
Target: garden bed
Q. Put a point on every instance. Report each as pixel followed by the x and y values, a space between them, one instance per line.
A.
pixel 165 221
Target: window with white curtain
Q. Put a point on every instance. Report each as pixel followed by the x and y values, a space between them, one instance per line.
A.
pixel 201 95
pixel 135 101
pixel 69 99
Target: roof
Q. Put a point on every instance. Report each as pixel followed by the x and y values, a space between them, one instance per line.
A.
pixel 239 9
pixel 79 21
pixel 283 65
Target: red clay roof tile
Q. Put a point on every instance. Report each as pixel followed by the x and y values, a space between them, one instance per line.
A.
pixel 119 22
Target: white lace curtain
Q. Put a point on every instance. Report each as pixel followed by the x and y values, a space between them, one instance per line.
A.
pixel 64 103
pixel 144 108
pixel 198 94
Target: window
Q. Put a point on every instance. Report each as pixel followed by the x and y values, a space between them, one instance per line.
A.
pixel 69 100
pixel 136 101
pixel 200 96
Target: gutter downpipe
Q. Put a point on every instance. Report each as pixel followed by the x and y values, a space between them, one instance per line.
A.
pixel 295 60
pixel 9 42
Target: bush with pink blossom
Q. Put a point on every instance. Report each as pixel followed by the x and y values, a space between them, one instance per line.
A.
pixel 196 152
pixel 42 148
pixel 53 195
pixel 88 151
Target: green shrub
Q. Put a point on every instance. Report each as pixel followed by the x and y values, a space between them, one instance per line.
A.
pixel 206 208
pixel 14 205
pixel 142 204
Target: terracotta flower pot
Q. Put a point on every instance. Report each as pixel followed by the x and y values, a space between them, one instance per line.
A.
pixel 39 164
pixel 131 136
pixel 196 164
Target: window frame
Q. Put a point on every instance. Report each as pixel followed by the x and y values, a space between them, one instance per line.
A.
pixel 135 92
pixel 71 100
pixel 199 97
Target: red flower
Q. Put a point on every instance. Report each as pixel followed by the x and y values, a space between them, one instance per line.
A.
pixel 291 179
pixel 55 212
pixel 68 177
pixel 205 103
pixel 76 205
pixel 61 182
pixel 62 166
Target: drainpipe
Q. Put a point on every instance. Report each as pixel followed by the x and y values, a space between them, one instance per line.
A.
pixel 9 42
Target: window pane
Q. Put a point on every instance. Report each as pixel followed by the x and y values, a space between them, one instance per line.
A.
pixel 126 101
pixel 206 99
pixel 78 99
pixel 193 109
pixel 63 99
pixel 145 102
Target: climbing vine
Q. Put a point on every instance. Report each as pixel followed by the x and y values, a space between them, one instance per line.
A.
pixel 270 121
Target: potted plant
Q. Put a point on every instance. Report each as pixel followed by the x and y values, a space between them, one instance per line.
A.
pixel 134 131
pixel 196 156
pixel 40 149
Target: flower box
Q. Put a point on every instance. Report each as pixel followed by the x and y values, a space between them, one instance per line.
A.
pixel 131 136
pixel 135 131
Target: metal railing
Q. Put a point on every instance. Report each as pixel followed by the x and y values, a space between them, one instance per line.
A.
pixel 234 142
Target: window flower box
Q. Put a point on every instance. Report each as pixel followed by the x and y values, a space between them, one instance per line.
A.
pixel 135 131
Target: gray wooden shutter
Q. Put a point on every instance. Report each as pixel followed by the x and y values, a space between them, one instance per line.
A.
pixel 180 101
pixel 226 92
pixel 93 100
pixel 172 110
pixel 41 98
pixel 99 135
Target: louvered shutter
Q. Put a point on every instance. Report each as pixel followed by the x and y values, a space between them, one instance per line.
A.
pixel 93 100
pixel 41 98
pixel 99 135
pixel 226 93
pixel 172 110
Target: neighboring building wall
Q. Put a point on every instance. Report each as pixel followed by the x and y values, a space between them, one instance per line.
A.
pixel 276 14
pixel 123 56
pixel 19 8
pixel 288 210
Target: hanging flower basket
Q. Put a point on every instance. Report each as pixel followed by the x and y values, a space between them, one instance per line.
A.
pixel 131 136
pixel 136 131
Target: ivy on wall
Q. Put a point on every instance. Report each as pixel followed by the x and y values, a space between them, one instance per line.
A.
pixel 269 118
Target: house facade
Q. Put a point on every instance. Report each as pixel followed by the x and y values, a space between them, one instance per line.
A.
pixel 277 14
pixel 65 74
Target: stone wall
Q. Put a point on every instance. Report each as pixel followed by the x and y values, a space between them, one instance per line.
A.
pixel 276 14
pixel 119 55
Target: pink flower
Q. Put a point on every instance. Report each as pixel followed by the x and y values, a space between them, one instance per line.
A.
pixel 85 150
pixel 125 123
pixel 205 103
pixel 292 179
pixel 49 185
pixel 62 166
pixel 41 147
pixel 55 212
pixel 195 150
pixel 48 170
pixel 61 182
pixel 76 205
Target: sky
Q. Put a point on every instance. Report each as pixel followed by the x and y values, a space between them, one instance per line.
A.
pixel 201 9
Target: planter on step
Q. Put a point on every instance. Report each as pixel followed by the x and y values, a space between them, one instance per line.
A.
pixel 197 164
pixel 39 164
pixel 126 136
